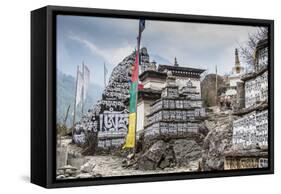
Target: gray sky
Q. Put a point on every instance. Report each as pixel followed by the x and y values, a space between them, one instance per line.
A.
pixel 97 40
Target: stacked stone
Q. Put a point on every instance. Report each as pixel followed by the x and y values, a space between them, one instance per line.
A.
pixel 250 128
pixel 67 171
pixel 85 171
pixel 145 64
pixel 108 118
pixel 176 113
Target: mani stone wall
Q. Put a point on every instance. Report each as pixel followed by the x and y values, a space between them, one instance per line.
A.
pixel 250 139
pixel 108 118
pixel 256 89
pixel 249 142
pixel 174 114
pixel 245 162
pixel 251 130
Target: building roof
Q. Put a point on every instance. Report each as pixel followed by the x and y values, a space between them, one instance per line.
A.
pixel 180 70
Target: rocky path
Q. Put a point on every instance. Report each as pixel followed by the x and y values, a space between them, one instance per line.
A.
pixel 112 166
pixel 79 166
pixel 217 140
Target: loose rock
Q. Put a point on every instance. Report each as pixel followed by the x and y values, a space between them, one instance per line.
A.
pixel 88 167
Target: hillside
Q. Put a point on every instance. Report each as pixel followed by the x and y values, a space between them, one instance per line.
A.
pixel 208 86
pixel 65 97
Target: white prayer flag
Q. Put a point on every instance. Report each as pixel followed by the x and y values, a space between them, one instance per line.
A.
pixel 79 87
pixel 86 80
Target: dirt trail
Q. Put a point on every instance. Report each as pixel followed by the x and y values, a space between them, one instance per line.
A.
pixel 112 166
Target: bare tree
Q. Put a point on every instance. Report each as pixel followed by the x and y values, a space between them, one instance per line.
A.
pixel 248 51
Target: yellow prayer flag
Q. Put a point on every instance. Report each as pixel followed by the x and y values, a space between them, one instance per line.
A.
pixel 130 139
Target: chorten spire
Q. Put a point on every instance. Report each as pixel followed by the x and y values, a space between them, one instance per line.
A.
pixel 237 61
pixel 237 67
pixel 176 62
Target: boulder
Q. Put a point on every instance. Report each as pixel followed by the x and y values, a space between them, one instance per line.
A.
pixel 152 157
pixel 156 151
pixel 185 151
pixel 88 167
pixel 146 164
pixel 215 143
pixel 179 152
pixel 168 158
pixel 164 164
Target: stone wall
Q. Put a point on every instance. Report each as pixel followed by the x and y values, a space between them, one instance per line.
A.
pixel 240 96
pixel 108 118
pixel 170 129
pixel 256 89
pixel 182 81
pixel 111 139
pixel 176 104
pixel 232 163
pixel 251 130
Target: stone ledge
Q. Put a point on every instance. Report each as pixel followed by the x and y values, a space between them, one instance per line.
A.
pixel 261 106
pixel 246 153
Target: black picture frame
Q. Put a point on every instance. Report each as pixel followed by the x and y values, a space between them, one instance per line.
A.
pixel 43 95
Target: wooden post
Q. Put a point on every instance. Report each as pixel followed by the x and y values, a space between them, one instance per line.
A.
pixel 216 86
pixel 66 115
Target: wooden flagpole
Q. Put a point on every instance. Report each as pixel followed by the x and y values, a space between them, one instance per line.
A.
pixel 139 62
pixel 216 86
pixel 66 115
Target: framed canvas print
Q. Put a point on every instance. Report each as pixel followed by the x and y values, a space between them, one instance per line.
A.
pixel 126 96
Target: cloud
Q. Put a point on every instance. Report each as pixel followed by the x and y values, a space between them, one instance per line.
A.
pixel 196 35
pixel 196 44
pixel 112 55
pixel 109 40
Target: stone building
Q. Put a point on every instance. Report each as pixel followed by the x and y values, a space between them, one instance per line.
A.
pixel 176 113
pixel 250 127
pixel 183 75
pixel 154 83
